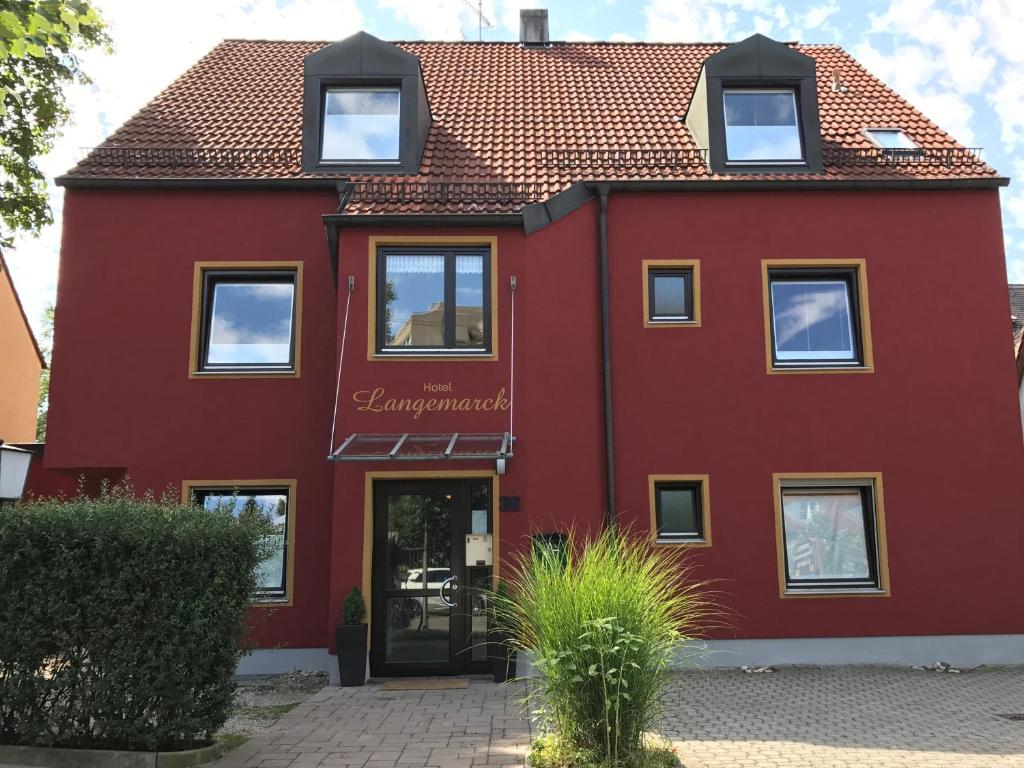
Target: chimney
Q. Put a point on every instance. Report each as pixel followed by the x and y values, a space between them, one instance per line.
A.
pixel 533 27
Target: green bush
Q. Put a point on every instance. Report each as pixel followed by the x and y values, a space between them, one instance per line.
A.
pixel 354 610
pixel 121 620
pixel 603 619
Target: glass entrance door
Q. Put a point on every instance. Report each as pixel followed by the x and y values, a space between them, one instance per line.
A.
pixel 424 606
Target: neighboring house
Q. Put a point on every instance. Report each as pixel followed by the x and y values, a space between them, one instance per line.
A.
pixel 660 258
pixel 1017 319
pixel 21 363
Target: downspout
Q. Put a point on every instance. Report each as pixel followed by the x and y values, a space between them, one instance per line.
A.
pixel 606 353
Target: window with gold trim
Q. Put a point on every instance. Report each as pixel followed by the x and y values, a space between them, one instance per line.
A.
pixel 274 501
pixel 831 535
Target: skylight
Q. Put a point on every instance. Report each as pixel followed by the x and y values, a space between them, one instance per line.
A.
pixel 890 138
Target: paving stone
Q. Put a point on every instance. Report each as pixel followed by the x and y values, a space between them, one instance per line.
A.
pixel 798 717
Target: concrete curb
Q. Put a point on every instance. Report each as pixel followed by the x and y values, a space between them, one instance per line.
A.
pixel 47 757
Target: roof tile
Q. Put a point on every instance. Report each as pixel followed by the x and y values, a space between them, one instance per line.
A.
pixel 500 112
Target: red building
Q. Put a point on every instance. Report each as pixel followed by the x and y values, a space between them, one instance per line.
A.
pixel 422 301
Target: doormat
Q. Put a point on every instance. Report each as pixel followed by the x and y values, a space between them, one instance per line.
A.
pixel 425 684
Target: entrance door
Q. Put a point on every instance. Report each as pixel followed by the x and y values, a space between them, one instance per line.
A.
pixel 429 608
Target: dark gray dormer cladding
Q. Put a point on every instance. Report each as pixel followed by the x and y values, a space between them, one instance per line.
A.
pixel 364 109
pixel 755 109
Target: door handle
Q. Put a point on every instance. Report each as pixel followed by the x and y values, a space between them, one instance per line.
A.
pixel 440 592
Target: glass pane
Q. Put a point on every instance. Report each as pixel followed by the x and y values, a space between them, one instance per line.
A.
pixel 361 124
pixel 893 139
pixel 419 542
pixel 670 296
pixel 469 301
pixel 825 537
pixel 761 126
pixel 425 445
pixel 678 507
pixel 417 629
pixel 274 507
pixel 414 301
pixel 480 508
pixel 251 323
pixel 812 320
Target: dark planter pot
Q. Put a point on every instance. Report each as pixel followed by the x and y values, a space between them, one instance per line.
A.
pixel 350 640
pixel 503 657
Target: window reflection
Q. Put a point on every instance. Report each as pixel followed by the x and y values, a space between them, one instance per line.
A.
pixel 270 504
pixel 250 322
pixel 361 124
pixel 761 126
pixel 417 294
pixel 825 535
pixel 414 301
pixel 812 320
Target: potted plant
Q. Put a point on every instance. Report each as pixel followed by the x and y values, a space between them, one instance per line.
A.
pixel 501 651
pixel 350 640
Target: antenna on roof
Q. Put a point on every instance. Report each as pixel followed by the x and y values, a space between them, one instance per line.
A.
pixel 482 21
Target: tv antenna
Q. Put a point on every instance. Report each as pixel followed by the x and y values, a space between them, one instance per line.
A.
pixel 482 21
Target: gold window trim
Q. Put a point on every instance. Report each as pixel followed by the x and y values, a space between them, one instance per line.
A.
pixel 656 264
pixel 868 363
pixel 705 509
pixel 194 364
pixel 840 480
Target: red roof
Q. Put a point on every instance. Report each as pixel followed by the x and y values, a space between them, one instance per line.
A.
pixel 505 114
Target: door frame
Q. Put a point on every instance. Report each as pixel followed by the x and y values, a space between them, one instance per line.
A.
pixel 370 480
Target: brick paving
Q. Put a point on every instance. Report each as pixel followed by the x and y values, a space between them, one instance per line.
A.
pixel 368 727
pixel 842 717
pixel 833 717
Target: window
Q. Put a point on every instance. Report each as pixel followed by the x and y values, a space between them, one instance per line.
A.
pixel 360 125
pixel 890 138
pixel 272 502
pixel 671 292
pixel 762 126
pixel 830 533
pixel 815 317
pixel 434 301
pixel 679 509
pixel 247 320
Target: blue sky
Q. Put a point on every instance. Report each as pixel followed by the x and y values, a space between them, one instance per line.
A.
pixel 959 61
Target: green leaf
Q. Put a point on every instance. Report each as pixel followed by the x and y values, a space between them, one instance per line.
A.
pixel 18 47
pixel 35 50
pixel 11 26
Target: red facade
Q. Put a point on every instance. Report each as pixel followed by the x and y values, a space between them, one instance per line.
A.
pixel 931 417
pixel 935 416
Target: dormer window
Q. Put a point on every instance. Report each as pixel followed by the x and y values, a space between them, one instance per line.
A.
pixel 361 125
pixel 890 138
pixel 364 109
pixel 762 126
pixel 754 109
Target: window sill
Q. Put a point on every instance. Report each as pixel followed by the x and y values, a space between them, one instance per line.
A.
pixel 247 374
pixel 836 592
pixel 682 543
pixel 672 324
pixel 823 369
pixel 451 356
pixel 270 602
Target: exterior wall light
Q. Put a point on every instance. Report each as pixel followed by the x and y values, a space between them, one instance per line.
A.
pixel 14 464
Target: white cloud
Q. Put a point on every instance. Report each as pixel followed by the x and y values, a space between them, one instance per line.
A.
pixel 819 14
pixel 912 71
pixel 438 20
pixel 145 61
pixel 702 20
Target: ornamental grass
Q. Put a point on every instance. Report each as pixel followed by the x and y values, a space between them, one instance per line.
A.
pixel 603 619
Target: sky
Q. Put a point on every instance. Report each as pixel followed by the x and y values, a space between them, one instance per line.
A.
pixel 959 61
